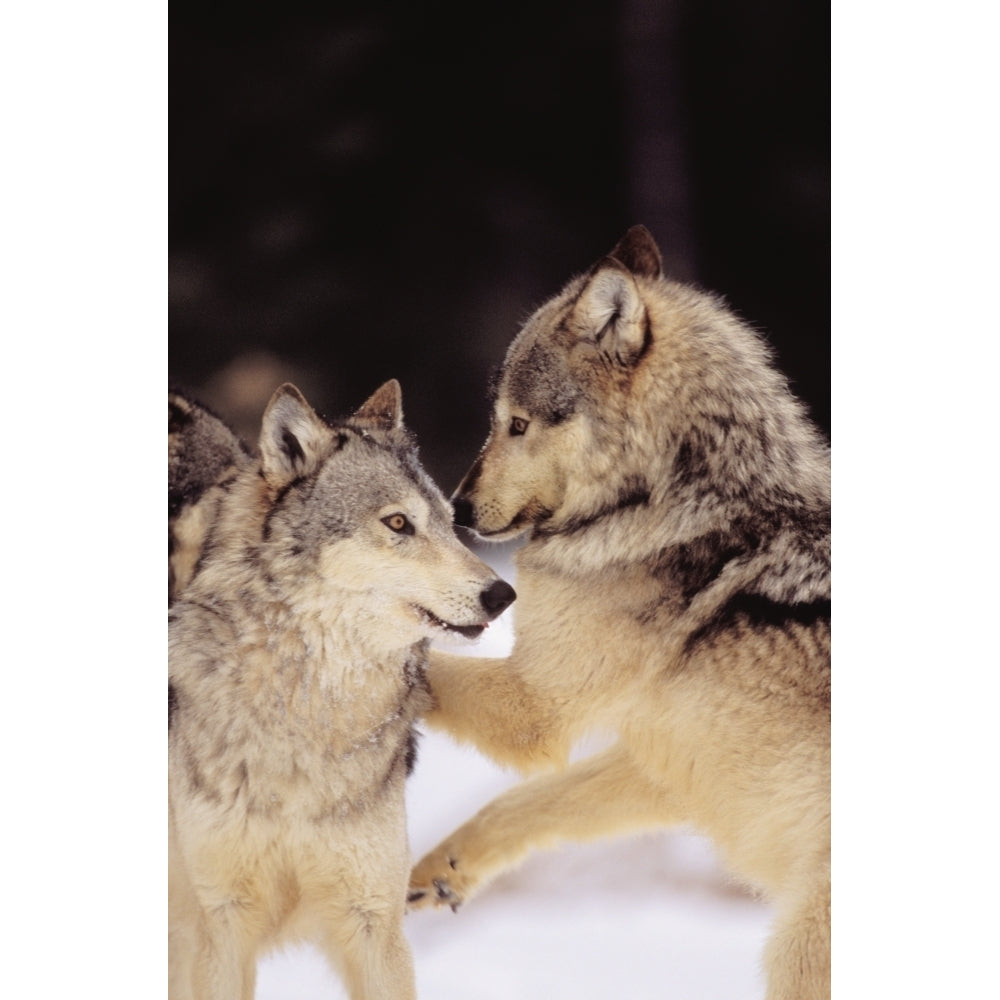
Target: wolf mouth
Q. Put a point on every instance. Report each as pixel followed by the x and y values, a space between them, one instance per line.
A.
pixel 502 533
pixel 530 517
pixel 469 631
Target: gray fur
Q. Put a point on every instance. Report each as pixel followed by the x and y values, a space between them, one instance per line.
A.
pixel 731 447
pixel 203 453
pixel 201 447
pixel 297 656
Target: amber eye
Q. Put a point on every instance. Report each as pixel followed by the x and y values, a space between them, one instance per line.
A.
pixel 518 425
pixel 398 523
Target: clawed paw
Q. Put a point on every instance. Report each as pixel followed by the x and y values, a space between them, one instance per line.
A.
pixel 436 881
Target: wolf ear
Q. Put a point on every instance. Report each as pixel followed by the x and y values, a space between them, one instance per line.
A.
pixel 612 312
pixel 383 409
pixel 292 437
pixel 638 251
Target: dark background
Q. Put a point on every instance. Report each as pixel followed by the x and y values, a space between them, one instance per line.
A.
pixel 388 190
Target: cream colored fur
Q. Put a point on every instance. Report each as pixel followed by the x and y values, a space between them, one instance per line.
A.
pixel 296 675
pixel 637 426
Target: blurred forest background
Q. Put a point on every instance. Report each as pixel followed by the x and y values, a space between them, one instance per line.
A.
pixel 376 190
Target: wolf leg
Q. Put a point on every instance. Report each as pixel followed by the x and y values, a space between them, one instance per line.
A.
pixel 798 953
pixel 600 796
pixel 365 943
pixel 184 917
pixel 486 702
pixel 212 953
pixel 355 896
pixel 224 967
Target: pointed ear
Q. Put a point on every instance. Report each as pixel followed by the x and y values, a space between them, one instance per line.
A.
pixel 612 312
pixel 638 251
pixel 292 437
pixel 383 409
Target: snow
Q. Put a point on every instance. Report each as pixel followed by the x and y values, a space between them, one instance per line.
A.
pixel 642 916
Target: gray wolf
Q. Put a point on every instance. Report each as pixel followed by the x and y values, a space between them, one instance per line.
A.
pixel 296 659
pixel 674 591
pixel 203 456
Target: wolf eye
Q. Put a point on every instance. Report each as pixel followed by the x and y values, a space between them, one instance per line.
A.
pixel 398 523
pixel 518 426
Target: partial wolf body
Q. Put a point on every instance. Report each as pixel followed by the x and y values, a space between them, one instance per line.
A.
pixel 674 589
pixel 204 455
pixel 297 653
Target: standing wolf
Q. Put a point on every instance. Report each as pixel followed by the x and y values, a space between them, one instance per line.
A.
pixel 296 673
pixel 674 589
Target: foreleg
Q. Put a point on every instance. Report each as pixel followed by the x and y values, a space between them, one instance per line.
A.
pixel 597 797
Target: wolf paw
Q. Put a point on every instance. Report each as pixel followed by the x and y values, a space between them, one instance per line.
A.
pixel 438 881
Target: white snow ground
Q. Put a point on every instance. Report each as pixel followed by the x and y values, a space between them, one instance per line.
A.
pixel 651 915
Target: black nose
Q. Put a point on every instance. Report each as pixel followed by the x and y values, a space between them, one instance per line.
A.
pixel 497 596
pixel 463 514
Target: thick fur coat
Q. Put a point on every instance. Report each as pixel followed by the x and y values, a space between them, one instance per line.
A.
pixel 674 591
pixel 297 652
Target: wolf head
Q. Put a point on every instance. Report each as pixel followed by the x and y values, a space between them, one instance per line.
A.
pixel 201 448
pixel 345 517
pixel 202 452
pixel 627 388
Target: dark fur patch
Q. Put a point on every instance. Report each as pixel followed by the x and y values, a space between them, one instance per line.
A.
pixel 201 447
pixel 647 339
pixel 634 492
pixel 171 705
pixel 533 513
pixel 638 251
pixel 204 607
pixel 280 497
pixel 689 568
pixel 190 493
pixel 242 779
pixel 404 756
pixel 757 612
pixel 207 548
pixel 178 419
pixel 411 751
pixel 291 447
pixel 540 384
pixel 690 464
